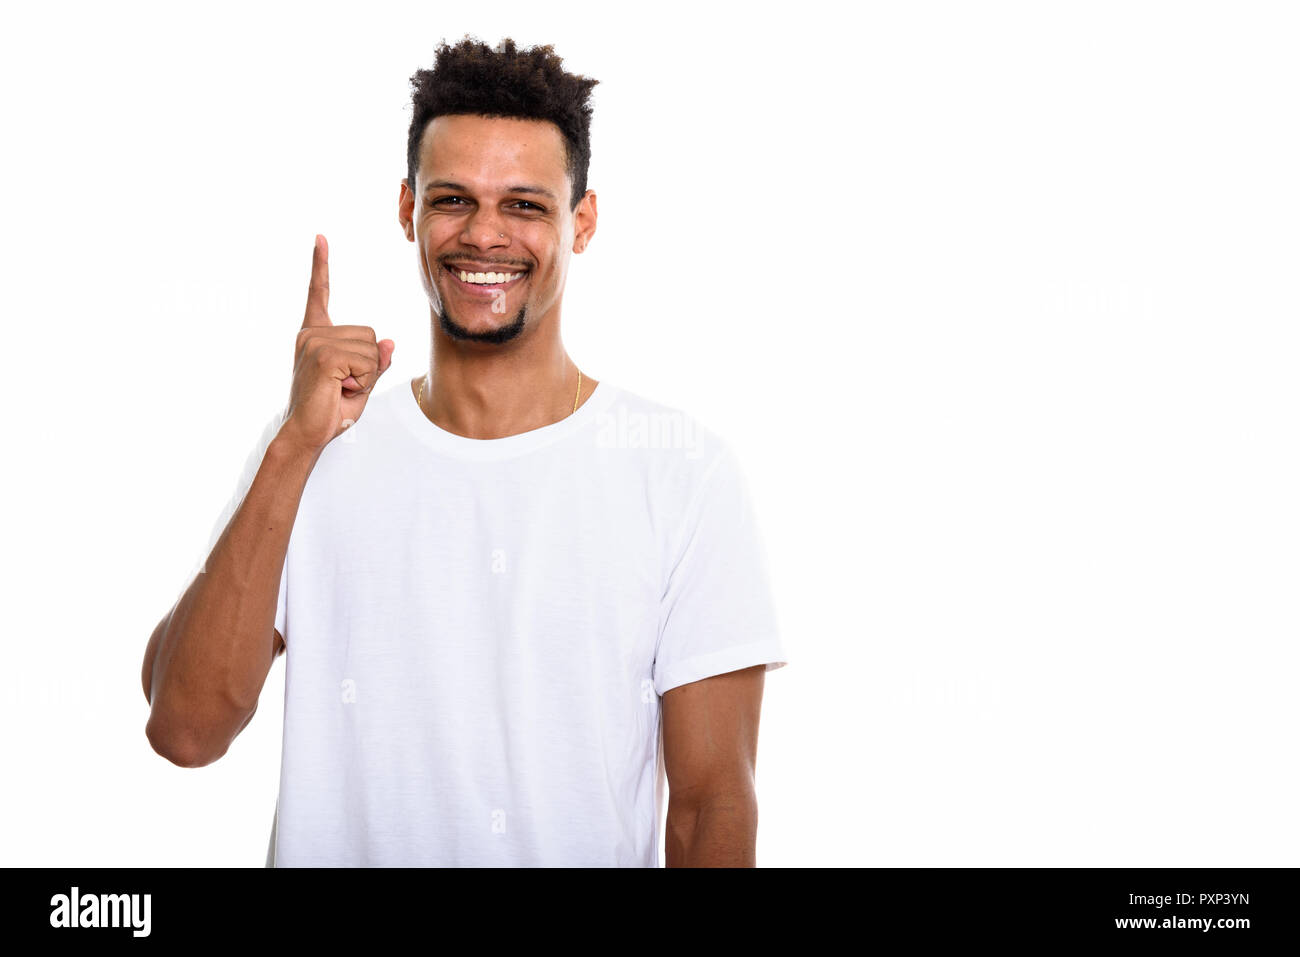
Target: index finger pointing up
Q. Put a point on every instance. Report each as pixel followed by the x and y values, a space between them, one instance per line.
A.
pixel 318 292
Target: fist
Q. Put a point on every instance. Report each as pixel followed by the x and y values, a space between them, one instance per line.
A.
pixel 335 368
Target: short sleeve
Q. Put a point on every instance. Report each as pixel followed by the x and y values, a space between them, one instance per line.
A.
pixel 245 481
pixel 717 613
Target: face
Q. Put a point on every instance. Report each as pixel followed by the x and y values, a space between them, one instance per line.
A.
pixel 492 196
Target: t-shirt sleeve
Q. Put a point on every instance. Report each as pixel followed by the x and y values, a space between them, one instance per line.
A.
pixel 717 613
pixel 242 485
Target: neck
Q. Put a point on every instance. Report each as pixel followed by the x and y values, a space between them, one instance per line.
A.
pixel 489 394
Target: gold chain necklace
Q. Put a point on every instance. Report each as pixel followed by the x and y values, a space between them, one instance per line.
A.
pixel 576 395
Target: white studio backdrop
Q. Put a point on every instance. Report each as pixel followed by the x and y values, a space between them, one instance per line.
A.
pixel 996 301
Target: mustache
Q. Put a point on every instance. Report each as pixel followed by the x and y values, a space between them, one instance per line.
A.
pixel 519 267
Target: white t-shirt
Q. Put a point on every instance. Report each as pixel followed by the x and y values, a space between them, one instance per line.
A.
pixel 478 632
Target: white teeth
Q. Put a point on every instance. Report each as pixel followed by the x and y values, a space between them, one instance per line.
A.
pixel 490 278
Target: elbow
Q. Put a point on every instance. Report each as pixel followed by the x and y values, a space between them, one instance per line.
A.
pixel 182 746
pixel 717 831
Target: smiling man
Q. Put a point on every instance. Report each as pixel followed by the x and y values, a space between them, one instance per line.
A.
pixel 513 600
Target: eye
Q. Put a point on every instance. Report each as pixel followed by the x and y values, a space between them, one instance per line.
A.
pixel 524 202
pixel 447 199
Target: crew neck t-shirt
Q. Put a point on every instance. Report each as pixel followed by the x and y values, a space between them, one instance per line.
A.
pixel 478 632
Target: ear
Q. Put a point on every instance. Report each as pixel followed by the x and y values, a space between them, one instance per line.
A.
pixel 584 221
pixel 406 210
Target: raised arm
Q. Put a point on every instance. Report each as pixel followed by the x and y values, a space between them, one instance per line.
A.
pixel 208 658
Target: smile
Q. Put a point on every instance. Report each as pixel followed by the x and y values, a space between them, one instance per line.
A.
pixel 472 280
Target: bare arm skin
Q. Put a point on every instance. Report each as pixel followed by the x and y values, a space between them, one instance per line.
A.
pixel 710 732
pixel 208 658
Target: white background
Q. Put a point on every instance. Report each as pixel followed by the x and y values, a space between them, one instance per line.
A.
pixel 997 302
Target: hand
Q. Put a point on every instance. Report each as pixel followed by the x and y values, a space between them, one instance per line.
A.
pixel 335 368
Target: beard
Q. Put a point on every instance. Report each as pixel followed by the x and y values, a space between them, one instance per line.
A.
pixel 503 334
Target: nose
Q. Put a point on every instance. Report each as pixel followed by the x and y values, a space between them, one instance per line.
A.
pixel 484 229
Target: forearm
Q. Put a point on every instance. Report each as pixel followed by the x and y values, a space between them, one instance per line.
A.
pixel 721 832
pixel 208 666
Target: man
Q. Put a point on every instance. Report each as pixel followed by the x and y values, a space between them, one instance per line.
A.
pixel 511 597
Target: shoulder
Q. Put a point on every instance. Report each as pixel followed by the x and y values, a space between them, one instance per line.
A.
pixel 390 394
pixel 666 434
pixel 679 454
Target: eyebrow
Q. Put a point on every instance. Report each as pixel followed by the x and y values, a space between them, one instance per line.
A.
pixel 448 184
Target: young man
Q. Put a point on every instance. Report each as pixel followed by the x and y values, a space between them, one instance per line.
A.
pixel 511 597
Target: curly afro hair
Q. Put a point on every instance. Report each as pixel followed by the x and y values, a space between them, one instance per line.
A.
pixel 473 78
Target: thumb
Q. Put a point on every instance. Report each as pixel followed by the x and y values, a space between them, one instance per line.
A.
pixel 386 347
